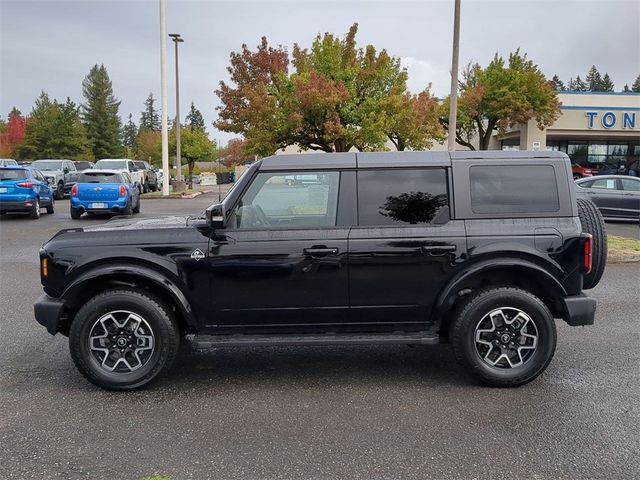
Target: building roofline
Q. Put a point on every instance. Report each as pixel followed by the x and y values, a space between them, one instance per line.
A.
pixel 575 92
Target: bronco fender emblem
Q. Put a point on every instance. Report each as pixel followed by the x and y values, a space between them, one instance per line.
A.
pixel 197 254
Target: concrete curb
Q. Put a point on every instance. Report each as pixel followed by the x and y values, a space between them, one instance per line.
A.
pixel 175 196
pixel 623 257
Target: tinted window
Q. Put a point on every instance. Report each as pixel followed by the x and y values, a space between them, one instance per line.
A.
pixel 631 185
pixel 140 164
pixel 9 174
pixel 47 164
pixel 513 189
pixel 38 176
pixel 604 183
pixel 401 197
pixel 290 200
pixel 99 177
pixel 112 164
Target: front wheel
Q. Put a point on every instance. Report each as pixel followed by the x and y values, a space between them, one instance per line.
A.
pixel 505 337
pixel 60 191
pixel 123 339
pixel 51 206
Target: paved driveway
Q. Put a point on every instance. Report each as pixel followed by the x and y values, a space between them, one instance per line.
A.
pixel 270 413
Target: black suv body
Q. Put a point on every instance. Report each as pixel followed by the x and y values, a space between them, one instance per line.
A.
pixel 483 249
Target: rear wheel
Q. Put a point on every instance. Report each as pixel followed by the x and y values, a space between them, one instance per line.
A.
pixel 123 339
pixel 593 223
pixel 51 206
pixel 505 336
pixel 137 207
pixel 35 209
pixel 76 213
pixel 128 210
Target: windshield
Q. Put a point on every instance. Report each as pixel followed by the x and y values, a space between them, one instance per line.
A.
pixel 10 174
pixel 112 164
pixel 99 177
pixel 47 164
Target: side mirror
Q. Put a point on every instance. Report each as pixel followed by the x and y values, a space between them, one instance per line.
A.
pixel 217 216
pixel 66 170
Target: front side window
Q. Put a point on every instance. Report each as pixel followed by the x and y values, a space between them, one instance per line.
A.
pixel 513 189
pixel 289 200
pixel 402 197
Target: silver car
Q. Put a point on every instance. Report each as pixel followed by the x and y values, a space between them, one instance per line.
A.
pixel 616 196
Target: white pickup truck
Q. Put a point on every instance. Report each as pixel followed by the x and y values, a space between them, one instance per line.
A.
pixel 123 165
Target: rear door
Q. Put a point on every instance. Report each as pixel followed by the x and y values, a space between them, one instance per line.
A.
pixel 630 196
pixel 281 261
pixel 405 244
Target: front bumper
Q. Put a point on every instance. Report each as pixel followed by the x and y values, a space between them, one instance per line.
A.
pixel 580 310
pixel 47 311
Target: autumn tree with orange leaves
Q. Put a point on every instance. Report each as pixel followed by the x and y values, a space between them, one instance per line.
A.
pixel 339 97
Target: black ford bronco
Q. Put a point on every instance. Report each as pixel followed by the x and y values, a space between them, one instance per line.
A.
pixel 480 249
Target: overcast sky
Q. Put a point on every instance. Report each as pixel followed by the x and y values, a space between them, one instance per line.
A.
pixel 51 44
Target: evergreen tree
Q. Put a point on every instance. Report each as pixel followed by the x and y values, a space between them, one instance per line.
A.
pixel 626 88
pixel 571 85
pixel 594 80
pixel 579 85
pixel 636 85
pixel 606 85
pixel 100 113
pixel 195 121
pixel 149 118
pixel 129 135
pixel 557 83
pixel 54 130
pixel 15 111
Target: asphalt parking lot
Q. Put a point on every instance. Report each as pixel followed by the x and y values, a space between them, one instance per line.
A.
pixel 339 412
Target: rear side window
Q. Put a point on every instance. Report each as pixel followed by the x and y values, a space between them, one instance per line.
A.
pixel 513 189
pixel 8 174
pixel 604 183
pixel 96 177
pixel 402 197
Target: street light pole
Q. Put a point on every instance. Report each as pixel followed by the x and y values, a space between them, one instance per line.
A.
pixel 177 39
pixel 453 98
pixel 163 94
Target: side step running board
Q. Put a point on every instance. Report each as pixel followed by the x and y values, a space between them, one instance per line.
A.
pixel 402 338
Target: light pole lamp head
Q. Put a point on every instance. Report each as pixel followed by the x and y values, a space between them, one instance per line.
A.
pixel 176 37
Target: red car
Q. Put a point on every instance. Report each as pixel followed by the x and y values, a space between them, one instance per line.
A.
pixel 580 172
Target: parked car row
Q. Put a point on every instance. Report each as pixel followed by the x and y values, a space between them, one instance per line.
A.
pixel 616 196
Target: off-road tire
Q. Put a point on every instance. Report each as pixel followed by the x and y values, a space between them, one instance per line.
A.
pixel 155 312
pixel 593 223
pixel 469 315
pixel 35 209
pixel 75 213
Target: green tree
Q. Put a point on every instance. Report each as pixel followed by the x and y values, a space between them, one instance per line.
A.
pixel 100 113
pixel 54 130
pixel 626 88
pixel 636 85
pixel 339 97
pixel 593 80
pixel 579 85
pixel 557 83
pixel 149 147
pixel 501 96
pixel 194 145
pixel 129 136
pixel 606 85
pixel 195 120
pixel 150 118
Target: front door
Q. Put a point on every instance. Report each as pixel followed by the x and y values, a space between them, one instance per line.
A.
pixel 605 193
pixel 281 261
pixel 404 247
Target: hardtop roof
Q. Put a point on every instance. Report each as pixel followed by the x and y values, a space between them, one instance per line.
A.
pixel 317 161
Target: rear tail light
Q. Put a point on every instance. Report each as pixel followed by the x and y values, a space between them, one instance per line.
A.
pixel 25 184
pixel 588 250
pixel 74 190
pixel 122 191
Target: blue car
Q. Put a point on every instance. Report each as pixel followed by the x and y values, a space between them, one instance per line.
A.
pixel 25 190
pixel 104 191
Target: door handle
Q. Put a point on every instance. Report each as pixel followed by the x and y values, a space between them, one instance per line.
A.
pixel 320 251
pixel 438 249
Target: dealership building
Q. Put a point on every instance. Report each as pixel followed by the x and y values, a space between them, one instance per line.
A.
pixel 597 129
